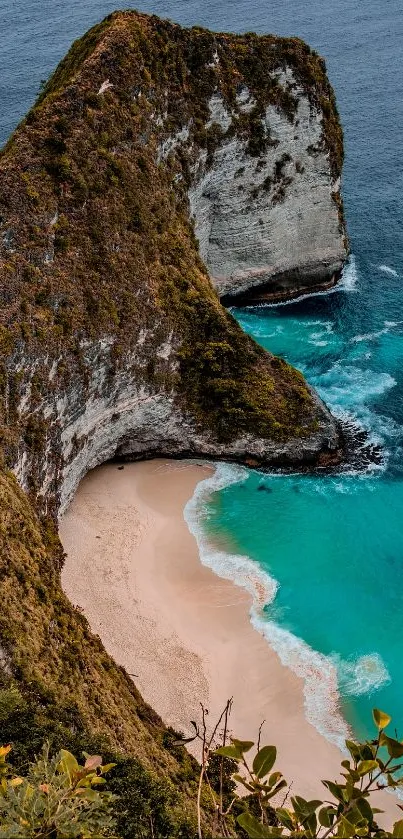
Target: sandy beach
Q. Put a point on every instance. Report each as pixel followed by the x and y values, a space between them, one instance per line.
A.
pixel 182 632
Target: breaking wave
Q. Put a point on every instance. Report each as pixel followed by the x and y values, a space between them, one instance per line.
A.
pixel 325 678
pixel 386 269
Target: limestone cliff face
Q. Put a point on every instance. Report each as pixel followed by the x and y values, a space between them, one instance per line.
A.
pixel 148 138
pixel 270 226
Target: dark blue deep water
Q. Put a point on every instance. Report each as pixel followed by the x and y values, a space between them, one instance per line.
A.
pixel 335 544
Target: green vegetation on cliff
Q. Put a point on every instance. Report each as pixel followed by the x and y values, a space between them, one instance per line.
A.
pixel 59 798
pixel 96 233
pixel 96 250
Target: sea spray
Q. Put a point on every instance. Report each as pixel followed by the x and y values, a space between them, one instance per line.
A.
pixel 386 269
pixel 362 675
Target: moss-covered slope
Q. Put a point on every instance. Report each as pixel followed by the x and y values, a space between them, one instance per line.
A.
pixel 112 338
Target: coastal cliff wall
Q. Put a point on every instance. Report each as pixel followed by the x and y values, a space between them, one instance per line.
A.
pixel 113 340
pixel 269 224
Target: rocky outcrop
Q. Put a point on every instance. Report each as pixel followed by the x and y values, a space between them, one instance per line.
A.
pixel 106 412
pixel 271 226
pixel 148 138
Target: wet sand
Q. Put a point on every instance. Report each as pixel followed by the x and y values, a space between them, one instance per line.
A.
pixel 183 633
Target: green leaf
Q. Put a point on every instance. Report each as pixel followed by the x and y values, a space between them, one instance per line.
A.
pixel 68 763
pixel 300 805
pixel 335 789
pixel 264 761
pixel 367 751
pixel 313 806
pixel 274 778
pixel 346 829
pixel 311 823
pixel 381 719
pixel 355 816
pixel 366 766
pixel 107 768
pixel 255 829
pixel 236 750
pixel 365 809
pixel 354 749
pixel 243 745
pixel 324 816
pixel 88 794
pixel 394 747
pixel 229 751
pixel 305 808
pixel 285 817
pixel 398 829
pixel 276 789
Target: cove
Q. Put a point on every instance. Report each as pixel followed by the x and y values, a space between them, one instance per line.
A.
pixel 333 544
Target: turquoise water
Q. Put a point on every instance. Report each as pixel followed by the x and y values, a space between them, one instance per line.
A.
pixel 334 543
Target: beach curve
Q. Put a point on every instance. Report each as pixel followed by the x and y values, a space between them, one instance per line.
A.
pixel 183 633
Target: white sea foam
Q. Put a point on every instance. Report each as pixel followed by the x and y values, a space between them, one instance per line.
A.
pixel 363 675
pixel 349 277
pixel 348 282
pixel 239 569
pixel 386 269
pixel 348 391
pixel 371 336
pixel 320 673
pixel 325 324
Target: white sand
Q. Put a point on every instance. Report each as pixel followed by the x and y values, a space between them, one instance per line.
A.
pixel 134 569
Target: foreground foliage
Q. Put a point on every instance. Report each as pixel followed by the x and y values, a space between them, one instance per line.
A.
pixel 148 799
pixel 58 798
pixel 269 809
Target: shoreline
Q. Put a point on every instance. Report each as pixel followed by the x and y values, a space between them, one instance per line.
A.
pixel 133 566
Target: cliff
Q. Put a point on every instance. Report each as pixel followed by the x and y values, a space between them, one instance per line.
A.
pixel 147 139
pixel 266 201
pixel 114 340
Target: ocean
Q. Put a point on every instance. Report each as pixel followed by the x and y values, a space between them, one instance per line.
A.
pixel 327 549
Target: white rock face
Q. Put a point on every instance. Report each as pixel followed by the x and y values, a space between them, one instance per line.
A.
pixel 266 221
pixel 115 414
pixel 270 219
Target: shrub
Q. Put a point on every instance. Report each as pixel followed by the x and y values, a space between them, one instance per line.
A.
pixel 373 765
pixel 57 800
